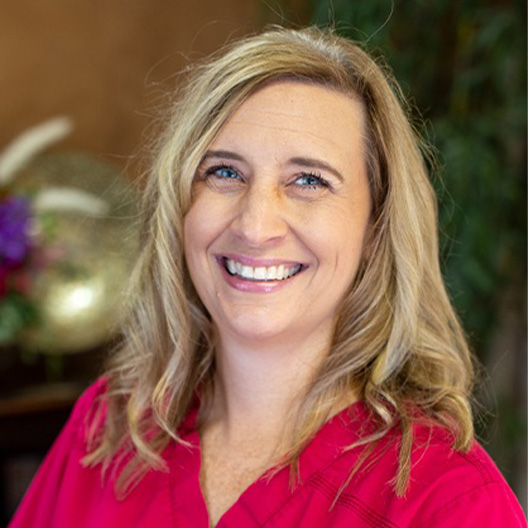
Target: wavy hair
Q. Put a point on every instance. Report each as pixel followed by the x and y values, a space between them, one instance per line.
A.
pixel 397 339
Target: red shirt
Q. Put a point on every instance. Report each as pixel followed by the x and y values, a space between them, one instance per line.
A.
pixel 447 488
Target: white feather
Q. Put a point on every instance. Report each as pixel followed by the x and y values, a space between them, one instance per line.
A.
pixel 22 149
pixel 69 199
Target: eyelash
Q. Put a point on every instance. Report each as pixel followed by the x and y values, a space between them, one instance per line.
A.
pixel 321 182
pixel 211 171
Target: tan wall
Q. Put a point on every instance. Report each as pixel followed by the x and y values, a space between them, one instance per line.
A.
pixel 102 61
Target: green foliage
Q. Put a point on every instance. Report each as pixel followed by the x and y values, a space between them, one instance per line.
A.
pixel 464 62
pixel 16 312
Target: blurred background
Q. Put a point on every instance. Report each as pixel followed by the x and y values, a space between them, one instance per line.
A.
pixel 105 67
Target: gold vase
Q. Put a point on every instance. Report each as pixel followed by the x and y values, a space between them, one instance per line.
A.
pixel 86 260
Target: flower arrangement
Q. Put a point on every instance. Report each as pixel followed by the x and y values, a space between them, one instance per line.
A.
pixel 15 243
pixel 24 247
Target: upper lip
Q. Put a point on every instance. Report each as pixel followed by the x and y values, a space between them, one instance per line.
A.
pixel 259 262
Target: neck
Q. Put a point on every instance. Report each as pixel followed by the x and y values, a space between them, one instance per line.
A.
pixel 259 384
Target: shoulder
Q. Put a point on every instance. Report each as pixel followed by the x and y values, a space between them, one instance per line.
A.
pixel 437 467
pixel 91 395
pixel 446 487
pixel 450 484
pixel 89 411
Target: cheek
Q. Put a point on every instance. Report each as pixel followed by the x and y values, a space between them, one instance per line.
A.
pixel 202 225
pixel 195 233
pixel 340 229
pixel 195 242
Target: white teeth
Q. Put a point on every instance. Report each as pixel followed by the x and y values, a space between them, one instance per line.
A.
pixel 261 273
pixel 272 273
pixel 247 272
pixel 231 266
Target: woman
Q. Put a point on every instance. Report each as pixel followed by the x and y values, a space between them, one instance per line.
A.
pixel 291 357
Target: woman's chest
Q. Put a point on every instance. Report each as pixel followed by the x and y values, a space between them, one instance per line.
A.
pixel 226 473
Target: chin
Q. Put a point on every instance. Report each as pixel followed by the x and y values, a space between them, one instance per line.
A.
pixel 257 327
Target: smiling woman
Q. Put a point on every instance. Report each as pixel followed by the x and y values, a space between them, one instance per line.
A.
pixel 274 199
pixel 290 357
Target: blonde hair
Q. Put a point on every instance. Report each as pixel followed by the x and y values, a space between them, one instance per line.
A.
pixel 397 338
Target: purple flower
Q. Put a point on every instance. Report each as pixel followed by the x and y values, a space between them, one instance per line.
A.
pixel 15 223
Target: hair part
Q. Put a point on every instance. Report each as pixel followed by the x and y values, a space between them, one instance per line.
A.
pixel 397 341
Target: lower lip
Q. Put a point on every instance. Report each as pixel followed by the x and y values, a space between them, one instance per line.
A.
pixel 252 286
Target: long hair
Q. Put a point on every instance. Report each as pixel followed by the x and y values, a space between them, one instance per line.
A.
pixel 397 339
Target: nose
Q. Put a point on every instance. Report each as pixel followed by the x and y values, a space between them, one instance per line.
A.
pixel 260 220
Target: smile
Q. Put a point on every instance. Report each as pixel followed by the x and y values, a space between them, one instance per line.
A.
pixel 261 273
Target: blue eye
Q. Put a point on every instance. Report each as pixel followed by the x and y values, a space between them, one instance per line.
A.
pixel 311 181
pixel 223 172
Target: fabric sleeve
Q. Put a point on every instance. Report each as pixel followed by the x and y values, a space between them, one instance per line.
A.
pixel 39 503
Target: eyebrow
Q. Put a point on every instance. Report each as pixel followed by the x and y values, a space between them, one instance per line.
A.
pixel 300 161
pixel 316 164
pixel 226 154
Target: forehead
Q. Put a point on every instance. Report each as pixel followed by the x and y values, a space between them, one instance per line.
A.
pixel 294 99
pixel 295 110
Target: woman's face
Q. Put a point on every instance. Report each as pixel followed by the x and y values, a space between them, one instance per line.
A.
pixel 280 209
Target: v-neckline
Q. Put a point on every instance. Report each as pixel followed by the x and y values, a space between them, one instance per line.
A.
pixel 270 494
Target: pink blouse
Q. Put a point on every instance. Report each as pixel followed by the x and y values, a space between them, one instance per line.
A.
pixel 447 488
